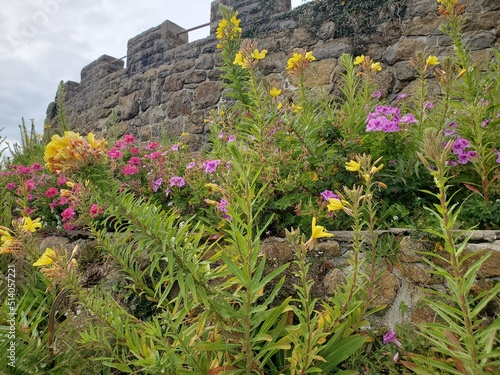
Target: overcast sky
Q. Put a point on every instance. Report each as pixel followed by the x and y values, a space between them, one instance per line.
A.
pixel 45 41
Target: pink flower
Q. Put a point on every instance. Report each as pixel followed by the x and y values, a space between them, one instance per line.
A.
pixel 36 167
pixel 114 153
pixel 190 165
pixel 134 150
pixel 30 184
pixel 401 96
pixel 129 138
pixel 95 210
pixel 152 146
pixel 211 165
pixel 69 226
pixel 177 181
pixel 61 180
pixel 221 135
pixel 134 160
pixel 21 169
pixel 376 94
pixel 129 170
pixel 51 192
pixel 231 138
pixel 10 186
pixel 175 147
pixel 68 213
pixel 119 145
pixel 391 337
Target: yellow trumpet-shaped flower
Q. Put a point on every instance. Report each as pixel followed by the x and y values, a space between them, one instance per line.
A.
pixel 239 59
pixel 31 225
pixel 319 231
pixel 352 166
pixel 46 259
pixel 359 60
pixel 432 60
pixel 259 55
pixel 274 92
pixel 335 204
pixel 377 169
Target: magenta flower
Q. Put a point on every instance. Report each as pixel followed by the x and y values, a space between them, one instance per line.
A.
pixel 498 154
pixel 134 160
pixel 222 206
pixel 177 181
pixel 231 138
pixel 61 180
pixel 152 146
pixel 376 94
pixel 114 153
pixel 119 145
pixel 401 96
pixel 175 147
pixel 128 138
pixel 68 213
pixel 95 210
pixel 129 170
pixel 10 186
pixel 190 165
pixel 69 226
pixel 391 337
pixel 385 119
pixel 156 184
pixel 134 150
pixel 51 192
pixel 36 167
pixel 328 194
pixel 211 165
pixel 21 169
pixel 30 184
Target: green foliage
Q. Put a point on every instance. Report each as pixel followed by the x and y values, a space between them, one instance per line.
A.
pixel 461 344
pixel 31 148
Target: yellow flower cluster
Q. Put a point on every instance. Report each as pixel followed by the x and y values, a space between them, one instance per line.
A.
pixel 298 63
pixel 367 64
pixel 9 243
pixel 72 151
pixel 228 29
pixel 246 61
pixel 54 265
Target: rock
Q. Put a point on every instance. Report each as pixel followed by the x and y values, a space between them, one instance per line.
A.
pixel 277 250
pixel 386 289
pixel 53 242
pixel 207 94
pixel 408 251
pixel 328 248
pixel 333 279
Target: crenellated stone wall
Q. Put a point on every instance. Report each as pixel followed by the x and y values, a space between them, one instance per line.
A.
pixel 169 85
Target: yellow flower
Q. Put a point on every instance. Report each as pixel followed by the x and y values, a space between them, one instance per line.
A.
pixel 359 60
pixel 319 231
pixel 377 169
pixel 259 55
pixel 296 108
pixel 352 166
pixel 309 56
pixel 335 205
pixel 376 67
pixel 314 177
pixel 31 225
pixel 9 244
pixel 274 92
pixel 219 46
pixel 432 60
pixel 46 259
pixel 366 176
pixel 220 30
pixel 280 105
pixel 235 21
pixel 240 60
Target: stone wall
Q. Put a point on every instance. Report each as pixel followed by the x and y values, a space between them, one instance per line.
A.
pixel 169 85
pixel 403 274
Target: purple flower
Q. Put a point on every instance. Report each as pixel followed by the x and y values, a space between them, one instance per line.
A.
pixel 228 165
pixel 167 191
pixel 408 119
pixel 401 96
pixel 190 165
pixel 460 145
pixel 177 181
pixel 463 158
pixel 328 194
pixel 175 147
pixel 376 94
pixel 231 138
pixel 156 184
pixel 428 105
pixel 485 123
pixel 211 165
pixel 221 135
pixel 391 337
pixel 222 206
pixel 385 119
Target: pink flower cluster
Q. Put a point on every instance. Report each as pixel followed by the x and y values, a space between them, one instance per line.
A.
pixel 459 148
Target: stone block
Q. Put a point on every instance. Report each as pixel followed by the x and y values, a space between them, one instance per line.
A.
pixel 207 94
